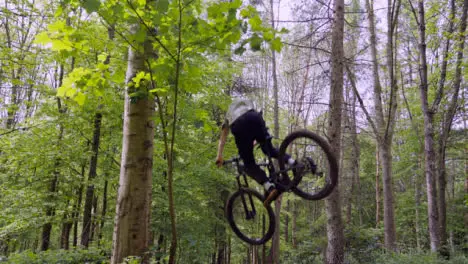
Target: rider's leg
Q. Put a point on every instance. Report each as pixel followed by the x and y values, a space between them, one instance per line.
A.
pixel 251 168
pixel 264 138
pixel 242 131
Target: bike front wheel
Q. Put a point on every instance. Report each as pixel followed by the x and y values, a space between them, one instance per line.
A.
pixel 316 171
pixel 250 220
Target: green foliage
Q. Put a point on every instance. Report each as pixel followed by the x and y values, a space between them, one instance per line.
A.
pixel 416 258
pixel 74 256
pixel 361 243
pixel 305 253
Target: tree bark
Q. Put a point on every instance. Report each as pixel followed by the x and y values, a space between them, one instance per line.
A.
pixel 90 197
pixel 50 209
pixel 429 153
pixel 103 212
pixel 286 221
pixel 355 157
pixel 385 152
pixel 384 129
pixel 448 119
pixel 335 246
pixel 377 187
pixel 275 244
pixel 131 229
pixel 294 225
pixel 67 225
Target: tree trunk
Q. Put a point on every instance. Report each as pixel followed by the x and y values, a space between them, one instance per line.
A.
pixel 131 229
pixel 417 201
pixel 67 225
pixel 65 237
pixel 294 225
pixel 104 211
pixel 429 153
pixel 50 210
pixel 355 159
pixel 384 129
pixel 377 187
pixel 465 217
pixel 385 152
pixel 335 246
pixel 77 208
pixel 94 222
pixel 448 120
pixel 275 244
pixel 228 253
pixel 286 221
pixel 11 111
pixel 85 233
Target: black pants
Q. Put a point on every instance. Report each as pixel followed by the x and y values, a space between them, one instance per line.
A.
pixel 247 128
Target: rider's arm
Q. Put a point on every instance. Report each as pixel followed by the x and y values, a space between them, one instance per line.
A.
pixel 222 142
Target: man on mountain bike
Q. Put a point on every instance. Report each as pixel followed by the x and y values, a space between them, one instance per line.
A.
pixel 247 126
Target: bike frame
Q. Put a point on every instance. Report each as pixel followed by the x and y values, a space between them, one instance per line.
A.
pixel 249 214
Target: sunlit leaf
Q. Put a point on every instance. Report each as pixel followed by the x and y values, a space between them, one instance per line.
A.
pixel 80 98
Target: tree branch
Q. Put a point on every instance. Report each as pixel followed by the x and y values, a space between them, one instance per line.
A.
pixel 361 102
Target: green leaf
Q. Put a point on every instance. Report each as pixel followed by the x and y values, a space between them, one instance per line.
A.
pixel 141 35
pixel 162 6
pixel 70 92
pixel 276 44
pixel 140 76
pixel 91 5
pixel 244 13
pixel 255 42
pixel 61 91
pixel 160 91
pixel 268 35
pixel 236 4
pixel 102 57
pixel 42 38
pixel 249 11
pixel 58 26
pixel 80 98
pixel 59 45
pixel 256 23
pixel 59 11
pixel 239 51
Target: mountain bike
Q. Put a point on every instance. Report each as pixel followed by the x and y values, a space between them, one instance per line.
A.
pixel 315 175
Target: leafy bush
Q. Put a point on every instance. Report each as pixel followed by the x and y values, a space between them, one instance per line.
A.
pixel 306 252
pixel 361 243
pixel 74 256
pixel 417 258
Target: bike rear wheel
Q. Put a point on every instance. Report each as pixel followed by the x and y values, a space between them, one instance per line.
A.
pixel 250 220
pixel 317 173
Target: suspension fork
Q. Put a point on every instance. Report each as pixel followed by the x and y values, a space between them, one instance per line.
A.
pixel 249 214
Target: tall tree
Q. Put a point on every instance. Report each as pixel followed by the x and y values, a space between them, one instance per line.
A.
pixel 131 230
pixel 382 127
pixel 53 185
pixel 448 115
pixel 435 164
pixel 335 234
pixel 90 195
pixel 429 151
pixel 275 243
